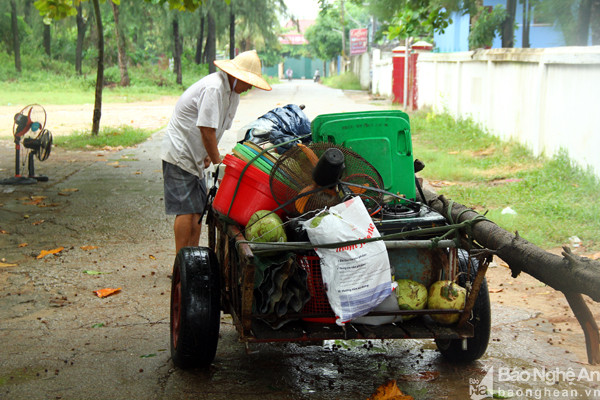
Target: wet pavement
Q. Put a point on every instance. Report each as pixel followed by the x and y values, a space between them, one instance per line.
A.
pixel 60 341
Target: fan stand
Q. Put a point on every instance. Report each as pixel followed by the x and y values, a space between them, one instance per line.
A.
pixel 24 180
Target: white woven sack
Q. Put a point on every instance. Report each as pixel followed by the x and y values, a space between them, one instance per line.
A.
pixel 357 277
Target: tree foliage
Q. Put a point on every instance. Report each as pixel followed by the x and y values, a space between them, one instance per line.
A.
pixel 325 36
pixel 486 26
pixel 404 18
pixel 575 18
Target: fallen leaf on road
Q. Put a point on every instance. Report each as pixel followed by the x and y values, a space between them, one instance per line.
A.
pixel 98 325
pixel 44 253
pixel 92 272
pixel 23 245
pixel 33 200
pixel 389 391
pixel 544 293
pixel 88 247
pixel 3 232
pixel 423 376
pixel 498 394
pixel 6 265
pixel 41 221
pixel 70 190
pixel 152 257
pixel 495 290
pixel 49 205
pixel 106 292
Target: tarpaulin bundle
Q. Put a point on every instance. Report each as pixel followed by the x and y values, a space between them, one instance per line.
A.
pixel 280 125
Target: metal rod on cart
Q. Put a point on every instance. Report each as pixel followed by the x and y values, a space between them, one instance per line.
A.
pixel 391 244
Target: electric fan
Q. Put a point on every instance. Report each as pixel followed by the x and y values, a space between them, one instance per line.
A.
pixel 30 120
pixel 308 178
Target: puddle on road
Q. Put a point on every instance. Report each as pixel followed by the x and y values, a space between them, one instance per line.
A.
pixel 354 369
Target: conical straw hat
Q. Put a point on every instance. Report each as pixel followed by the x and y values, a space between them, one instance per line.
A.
pixel 245 67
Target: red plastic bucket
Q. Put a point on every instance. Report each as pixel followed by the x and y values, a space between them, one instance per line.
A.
pixel 253 193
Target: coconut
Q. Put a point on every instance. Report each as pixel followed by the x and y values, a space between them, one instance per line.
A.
pixel 265 226
pixel 316 221
pixel 445 295
pixel 411 296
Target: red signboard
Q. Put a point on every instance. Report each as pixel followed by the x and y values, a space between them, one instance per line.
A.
pixel 358 41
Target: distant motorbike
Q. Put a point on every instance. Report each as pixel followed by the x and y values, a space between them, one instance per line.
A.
pixel 317 77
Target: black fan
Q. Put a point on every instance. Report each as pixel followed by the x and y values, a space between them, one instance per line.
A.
pixel 308 178
pixel 30 120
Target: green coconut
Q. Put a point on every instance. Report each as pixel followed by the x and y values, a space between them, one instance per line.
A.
pixel 411 296
pixel 446 295
pixel 265 226
pixel 316 221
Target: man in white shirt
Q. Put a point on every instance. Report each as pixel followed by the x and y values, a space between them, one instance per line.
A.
pixel 201 116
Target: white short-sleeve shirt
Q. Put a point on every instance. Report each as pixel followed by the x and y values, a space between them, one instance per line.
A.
pixel 210 102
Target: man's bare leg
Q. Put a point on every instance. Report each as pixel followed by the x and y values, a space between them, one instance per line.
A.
pixel 187 231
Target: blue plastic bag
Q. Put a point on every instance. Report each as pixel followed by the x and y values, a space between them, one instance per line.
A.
pixel 280 125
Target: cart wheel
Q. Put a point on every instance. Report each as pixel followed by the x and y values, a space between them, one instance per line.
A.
pixel 195 307
pixel 452 349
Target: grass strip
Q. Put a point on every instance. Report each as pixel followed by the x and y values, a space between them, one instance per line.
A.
pixel 553 199
pixel 124 136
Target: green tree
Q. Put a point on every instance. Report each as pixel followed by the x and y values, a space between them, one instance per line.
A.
pixel 16 40
pixel 82 23
pixel 575 18
pixel 327 36
pixel 324 38
pixel 487 24
pixel 122 54
pixel 404 18
pixel 60 9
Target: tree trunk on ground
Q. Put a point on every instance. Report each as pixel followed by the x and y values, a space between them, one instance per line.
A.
pixel 177 50
pixel 122 55
pixel 15 33
pixel 569 274
pixel 508 27
pixel 47 40
pixel 583 25
pixel 522 256
pixel 100 71
pixel 211 43
pixel 231 31
pixel 81 27
pixel 200 42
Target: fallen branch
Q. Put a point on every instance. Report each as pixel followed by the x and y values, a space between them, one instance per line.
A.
pixel 570 274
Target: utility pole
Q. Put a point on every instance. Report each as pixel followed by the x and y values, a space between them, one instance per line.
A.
pixel 343 31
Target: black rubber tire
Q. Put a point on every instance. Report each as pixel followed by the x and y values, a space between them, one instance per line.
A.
pixel 195 307
pixel 480 319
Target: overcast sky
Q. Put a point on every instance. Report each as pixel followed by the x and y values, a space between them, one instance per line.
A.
pixel 303 9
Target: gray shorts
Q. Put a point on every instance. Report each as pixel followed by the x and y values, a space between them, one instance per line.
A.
pixel 185 193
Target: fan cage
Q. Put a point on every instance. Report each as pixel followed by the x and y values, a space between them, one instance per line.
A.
pixel 294 189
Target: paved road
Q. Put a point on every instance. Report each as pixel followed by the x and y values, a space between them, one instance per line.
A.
pixel 59 341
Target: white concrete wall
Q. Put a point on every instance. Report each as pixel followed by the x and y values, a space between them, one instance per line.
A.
pixel 381 80
pixel 360 65
pixel 547 99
